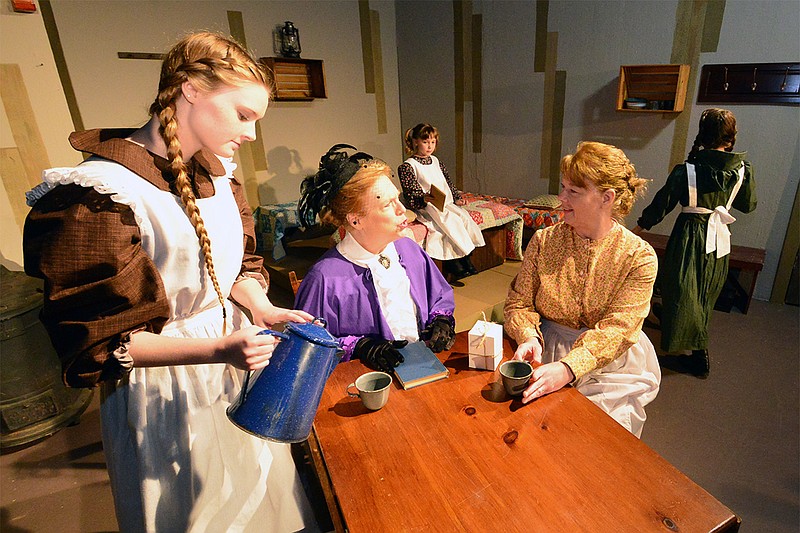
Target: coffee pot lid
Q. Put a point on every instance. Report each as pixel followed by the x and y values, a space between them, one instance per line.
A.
pixel 313 332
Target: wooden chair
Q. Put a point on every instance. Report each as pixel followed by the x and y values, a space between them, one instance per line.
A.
pixel 311 458
pixel 294 282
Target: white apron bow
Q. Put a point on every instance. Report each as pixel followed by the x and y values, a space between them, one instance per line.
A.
pixel 718 236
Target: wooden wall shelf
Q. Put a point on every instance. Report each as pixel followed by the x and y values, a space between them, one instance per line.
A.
pixel 663 87
pixel 296 79
pixel 755 83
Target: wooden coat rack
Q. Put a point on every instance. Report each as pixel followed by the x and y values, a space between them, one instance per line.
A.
pixel 756 83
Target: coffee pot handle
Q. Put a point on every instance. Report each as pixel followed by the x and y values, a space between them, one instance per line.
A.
pixel 282 336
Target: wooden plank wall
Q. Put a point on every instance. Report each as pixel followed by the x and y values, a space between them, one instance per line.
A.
pixel 21 166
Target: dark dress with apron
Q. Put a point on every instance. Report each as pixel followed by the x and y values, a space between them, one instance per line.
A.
pixel 695 265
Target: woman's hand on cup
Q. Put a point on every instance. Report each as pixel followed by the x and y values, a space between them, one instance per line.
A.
pixel 547 378
pixel 273 315
pixel 530 350
pixel 246 349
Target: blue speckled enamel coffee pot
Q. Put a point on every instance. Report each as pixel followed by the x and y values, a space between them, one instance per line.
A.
pixel 279 401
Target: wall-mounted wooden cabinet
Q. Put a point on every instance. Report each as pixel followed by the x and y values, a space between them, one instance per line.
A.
pixel 652 88
pixel 296 79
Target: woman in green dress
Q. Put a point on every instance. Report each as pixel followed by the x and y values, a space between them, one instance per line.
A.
pixel 695 265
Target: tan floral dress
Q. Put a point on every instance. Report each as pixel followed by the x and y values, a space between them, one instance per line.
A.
pixel 586 300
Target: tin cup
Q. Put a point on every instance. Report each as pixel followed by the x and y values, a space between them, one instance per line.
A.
pixel 516 376
pixel 372 388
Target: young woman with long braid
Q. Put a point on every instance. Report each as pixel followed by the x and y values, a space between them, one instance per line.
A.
pixel 147 250
pixel 713 180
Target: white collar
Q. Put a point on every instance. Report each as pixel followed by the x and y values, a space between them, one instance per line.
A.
pixel 355 253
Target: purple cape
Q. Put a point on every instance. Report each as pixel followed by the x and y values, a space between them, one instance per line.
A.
pixel 344 295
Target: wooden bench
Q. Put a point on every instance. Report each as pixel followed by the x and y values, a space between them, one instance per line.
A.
pixel 743 259
pixel 489 256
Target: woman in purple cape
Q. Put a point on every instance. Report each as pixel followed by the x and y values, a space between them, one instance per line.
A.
pixel 376 289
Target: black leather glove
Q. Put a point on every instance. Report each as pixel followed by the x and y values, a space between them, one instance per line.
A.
pixel 379 354
pixel 440 333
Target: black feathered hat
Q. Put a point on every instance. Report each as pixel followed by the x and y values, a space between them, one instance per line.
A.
pixel 336 168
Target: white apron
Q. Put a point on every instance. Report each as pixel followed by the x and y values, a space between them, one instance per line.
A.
pixel 623 387
pixel 718 236
pixel 451 233
pixel 175 461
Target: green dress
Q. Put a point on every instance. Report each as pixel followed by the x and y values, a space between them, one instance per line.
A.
pixel 690 280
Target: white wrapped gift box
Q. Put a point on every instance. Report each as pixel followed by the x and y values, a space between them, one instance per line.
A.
pixel 486 338
pixel 485 362
pixel 485 345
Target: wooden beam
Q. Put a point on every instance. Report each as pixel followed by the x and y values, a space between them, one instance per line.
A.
pixel 251 155
pixel 140 55
pixel 366 46
pixel 61 64
pixel 15 182
pixel 548 130
pixel 477 83
pixel 22 121
pixel 791 246
pixel 686 46
pixel 540 42
pixel 458 70
pixel 377 59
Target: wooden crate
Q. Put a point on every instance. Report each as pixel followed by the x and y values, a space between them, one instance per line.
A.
pixel 296 79
pixel 654 83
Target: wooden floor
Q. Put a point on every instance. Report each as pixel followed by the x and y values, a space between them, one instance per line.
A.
pixel 736 434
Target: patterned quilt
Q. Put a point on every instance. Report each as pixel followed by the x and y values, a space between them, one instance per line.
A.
pixel 533 217
pixel 487 211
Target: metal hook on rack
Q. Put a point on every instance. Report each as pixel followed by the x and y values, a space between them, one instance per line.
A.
pixel 725 85
pixel 753 86
pixel 785 75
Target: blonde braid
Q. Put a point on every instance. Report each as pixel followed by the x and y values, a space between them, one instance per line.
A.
pixel 209 61
pixel 168 129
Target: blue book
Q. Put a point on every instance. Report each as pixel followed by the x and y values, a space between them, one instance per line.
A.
pixel 420 366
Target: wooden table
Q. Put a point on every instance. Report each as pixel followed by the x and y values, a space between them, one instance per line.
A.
pixel 460 455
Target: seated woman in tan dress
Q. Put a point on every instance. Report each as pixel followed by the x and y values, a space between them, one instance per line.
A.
pixel 583 291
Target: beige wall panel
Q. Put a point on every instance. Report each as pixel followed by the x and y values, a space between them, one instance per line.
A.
pixel 23 42
pixel 22 121
pixel 10 237
pixel 6 139
pixel 12 171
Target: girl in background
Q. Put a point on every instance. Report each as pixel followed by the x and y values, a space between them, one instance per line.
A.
pixel 138 301
pixel 452 234
pixel 695 264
